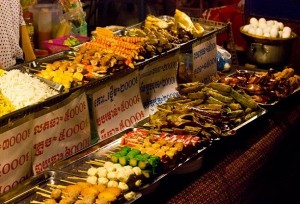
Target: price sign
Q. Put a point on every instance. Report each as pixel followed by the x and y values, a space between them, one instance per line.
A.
pixel 61 132
pixel 117 106
pixel 159 82
pixel 15 155
pixel 205 59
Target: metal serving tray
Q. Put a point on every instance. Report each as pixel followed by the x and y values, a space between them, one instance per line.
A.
pixel 271 104
pixel 262 111
pixel 27 191
pixel 78 162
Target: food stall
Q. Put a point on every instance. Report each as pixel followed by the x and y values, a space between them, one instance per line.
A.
pixel 124 124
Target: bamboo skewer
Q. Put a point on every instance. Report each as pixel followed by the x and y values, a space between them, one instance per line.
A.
pixel 75 177
pixel 44 194
pixel 82 171
pixel 100 160
pixel 107 155
pixel 94 163
pixel 70 182
pixel 36 202
pixel 56 186
pixel 41 189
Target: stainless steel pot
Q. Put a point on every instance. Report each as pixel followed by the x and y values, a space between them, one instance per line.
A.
pixel 268 51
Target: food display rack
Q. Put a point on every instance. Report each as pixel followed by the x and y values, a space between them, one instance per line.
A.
pixel 59 170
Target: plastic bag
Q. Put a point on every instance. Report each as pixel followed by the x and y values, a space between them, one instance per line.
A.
pixel 223 59
pixel 73 13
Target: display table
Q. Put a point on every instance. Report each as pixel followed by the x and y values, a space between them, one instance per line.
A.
pixel 255 166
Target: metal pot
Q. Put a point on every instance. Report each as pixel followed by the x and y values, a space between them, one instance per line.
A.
pixel 268 51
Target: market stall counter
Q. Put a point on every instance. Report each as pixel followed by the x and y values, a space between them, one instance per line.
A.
pixel 255 166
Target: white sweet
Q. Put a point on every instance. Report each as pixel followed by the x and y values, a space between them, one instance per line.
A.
pixel 267 30
pixel 92 179
pixel 280 25
pixel 270 22
pixel 137 171
pixel 123 176
pixel 129 196
pixel 103 180
pixel 253 21
pixel 262 25
pixel 275 26
pixel 112 184
pixel 108 164
pixel 286 34
pixel 259 32
pixel 274 32
pixel 262 20
pixel 246 28
pixel 287 29
pixel 123 186
pixel 138 183
pixel 92 171
pixel 102 172
pixel 112 176
pixel 280 34
pixel 267 35
pixel 252 31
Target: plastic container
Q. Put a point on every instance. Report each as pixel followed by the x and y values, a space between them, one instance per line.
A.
pixel 57 44
pixel 56 14
pixel 44 26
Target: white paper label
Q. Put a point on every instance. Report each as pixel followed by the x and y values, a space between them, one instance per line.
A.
pixel 204 60
pixel 158 82
pixel 117 106
pixel 61 133
pixel 15 156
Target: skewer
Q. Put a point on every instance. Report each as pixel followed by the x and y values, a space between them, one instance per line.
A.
pixel 43 65
pixel 107 155
pixel 41 189
pixel 75 177
pixel 70 182
pixel 82 171
pixel 56 186
pixel 36 202
pixel 94 163
pixel 100 160
pixel 43 194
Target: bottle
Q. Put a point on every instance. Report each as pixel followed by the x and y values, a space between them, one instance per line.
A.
pixel 28 18
pixel 44 26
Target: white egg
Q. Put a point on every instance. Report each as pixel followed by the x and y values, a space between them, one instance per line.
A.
pixel 262 25
pixel 259 32
pixel 287 29
pixel 267 35
pixel 266 30
pixel 252 31
pixel 262 20
pixel 270 22
pixel 286 34
pixel 253 21
pixel 275 26
pixel 246 28
pixel 280 25
pixel 274 32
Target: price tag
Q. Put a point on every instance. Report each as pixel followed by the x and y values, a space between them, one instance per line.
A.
pixel 62 132
pixel 205 59
pixel 117 106
pixel 15 155
pixel 159 82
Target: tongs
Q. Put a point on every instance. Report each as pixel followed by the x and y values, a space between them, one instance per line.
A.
pixel 56 86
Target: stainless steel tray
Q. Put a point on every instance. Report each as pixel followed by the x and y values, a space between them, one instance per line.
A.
pixel 27 191
pixel 262 111
pixel 78 161
pixel 271 103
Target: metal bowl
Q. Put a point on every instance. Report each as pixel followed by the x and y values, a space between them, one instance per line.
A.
pixel 268 51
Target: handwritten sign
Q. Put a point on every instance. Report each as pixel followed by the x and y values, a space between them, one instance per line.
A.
pixel 62 132
pixel 204 59
pixel 117 106
pixel 159 82
pixel 15 155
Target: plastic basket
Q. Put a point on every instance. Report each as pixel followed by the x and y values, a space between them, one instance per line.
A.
pixel 57 44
